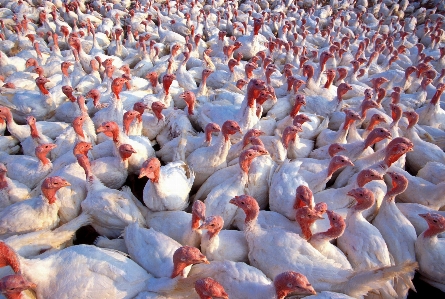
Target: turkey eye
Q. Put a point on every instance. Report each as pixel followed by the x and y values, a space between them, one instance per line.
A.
pixel 435 221
pixel 334 218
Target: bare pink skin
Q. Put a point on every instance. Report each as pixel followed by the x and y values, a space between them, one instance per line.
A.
pixel 82 148
pixel 125 151
pixel 3 171
pixel 157 108
pixel 256 141
pixel 342 89
pixel 42 150
pixel 375 120
pixel 8 257
pixel 78 125
pixel 9 85
pixel 300 101
pixel 290 133
pixel 396 113
pixel 185 256
pixel 11 286
pixel 213 225
pixel 247 156
pixel 249 134
pixel 209 129
pixel 190 100
pixel 330 74
pixel 301 119
pixel 95 95
pixel 308 71
pixel 297 85
pixel 409 70
pixel 117 85
pixel 440 88
pixel 40 82
pixel 367 175
pixel 31 120
pixel 366 105
pixel 377 82
pixel 248 204
pixel 167 81
pixel 68 91
pixel 355 65
pixel 397 148
pixel 139 107
pixel 112 127
pixel 303 197
pixel 305 217
pixel 342 72
pixel 338 162
pixel 350 117
pixel 50 186
pixel 249 68
pixel 129 116
pixel 399 183
pixel 151 169
pixel 65 66
pixel 381 93
pixel 230 127
pixel 208 288
pixel 291 282
pixel 436 224
pixel 198 214
pixel 412 117
pixel 241 83
pixel 364 197
pixel 337 228
pixel 334 149
pixel 376 135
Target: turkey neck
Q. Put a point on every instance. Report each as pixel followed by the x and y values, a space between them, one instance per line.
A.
pixel 432 233
pixel 42 89
pixel 17 295
pixel 332 233
pixel 213 233
pixel 195 221
pixel 3 182
pixel 436 97
pixel 296 109
pixel 370 140
pixel 50 194
pixel 34 131
pixel 42 157
pixel 79 130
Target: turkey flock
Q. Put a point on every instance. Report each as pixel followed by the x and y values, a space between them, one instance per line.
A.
pixel 285 148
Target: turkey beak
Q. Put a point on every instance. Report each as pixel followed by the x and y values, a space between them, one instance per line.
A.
pixel 66 183
pixel 349 162
pixel 319 216
pixel 202 260
pixel 424 215
pixel 101 129
pixel 203 225
pixel 233 201
pixel 351 193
